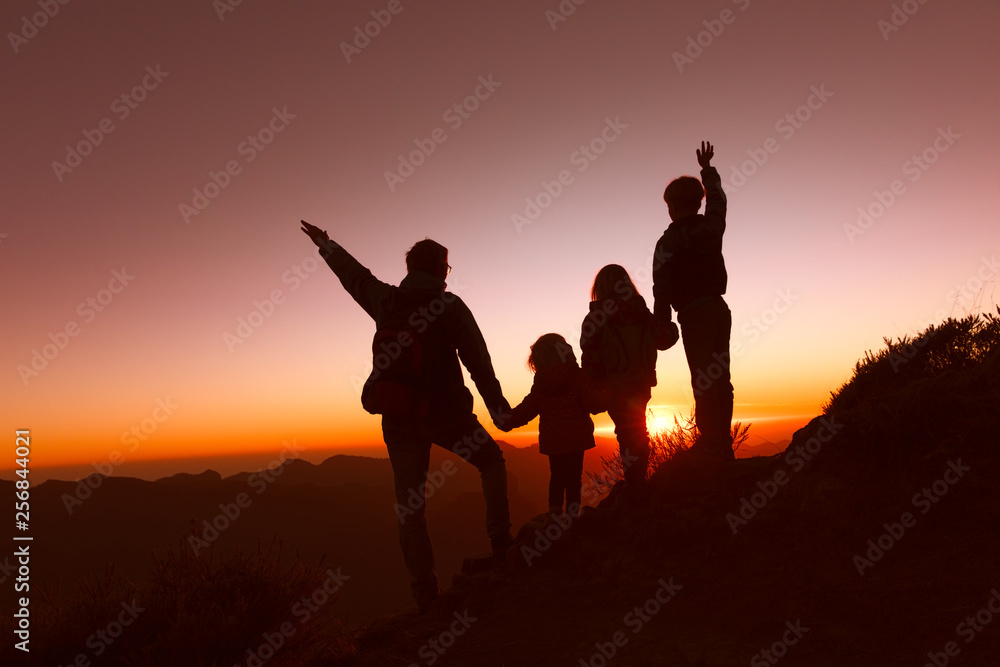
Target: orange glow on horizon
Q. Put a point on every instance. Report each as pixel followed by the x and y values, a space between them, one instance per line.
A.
pixel 231 336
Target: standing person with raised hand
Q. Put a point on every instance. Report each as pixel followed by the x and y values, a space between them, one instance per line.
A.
pixel 422 332
pixel 689 275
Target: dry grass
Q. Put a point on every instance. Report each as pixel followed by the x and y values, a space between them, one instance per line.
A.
pixel 663 446
pixel 198 611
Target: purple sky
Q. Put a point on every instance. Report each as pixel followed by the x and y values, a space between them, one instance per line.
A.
pixel 840 112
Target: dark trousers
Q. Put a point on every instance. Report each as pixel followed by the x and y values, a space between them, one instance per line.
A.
pixel 566 478
pixel 627 409
pixel 705 329
pixel 409 444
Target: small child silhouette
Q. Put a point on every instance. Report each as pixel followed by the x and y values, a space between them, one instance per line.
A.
pixel 563 398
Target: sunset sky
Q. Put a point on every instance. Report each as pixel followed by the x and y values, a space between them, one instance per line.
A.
pixel 157 158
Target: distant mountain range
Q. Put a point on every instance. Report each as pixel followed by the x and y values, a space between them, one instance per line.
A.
pixel 340 509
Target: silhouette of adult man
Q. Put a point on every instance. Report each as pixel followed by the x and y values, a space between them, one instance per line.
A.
pixel 689 275
pixel 447 333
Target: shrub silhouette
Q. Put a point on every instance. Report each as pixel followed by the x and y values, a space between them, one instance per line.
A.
pixel 936 392
pixel 663 446
pixel 953 345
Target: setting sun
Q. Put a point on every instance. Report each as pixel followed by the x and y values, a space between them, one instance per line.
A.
pixel 657 420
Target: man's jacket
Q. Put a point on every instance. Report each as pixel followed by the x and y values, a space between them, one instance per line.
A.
pixel 447 330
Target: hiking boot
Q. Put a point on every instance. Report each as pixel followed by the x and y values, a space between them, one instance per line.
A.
pixel 717 449
pixel 719 453
pixel 700 454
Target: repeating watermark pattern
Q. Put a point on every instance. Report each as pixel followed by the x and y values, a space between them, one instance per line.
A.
pixel 592 324
pixel 102 638
pixel 894 531
pixel 642 275
pixel 987 271
pixel 30 25
pixel 417 499
pixel 796 459
pixel 786 126
pixel 899 17
pixel 133 437
pixel 88 310
pixel 263 309
pixel 139 433
pixel 968 629
pixel 432 650
pixel 246 326
pixel 248 149
pixel 562 12
pixel 581 159
pixel 211 529
pixel 302 610
pixel 898 359
pixel 223 7
pixel 363 34
pixel 635 620
pixel 770 656
pixel 7 568
pixel 915 167
pixel 752 330
pixel 419 321
pixel 759 324
pixel 455 116
pixel 697 43
pixel 122 107
pixel 546 537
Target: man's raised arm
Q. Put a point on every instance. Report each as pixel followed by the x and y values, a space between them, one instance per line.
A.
pixel 359 282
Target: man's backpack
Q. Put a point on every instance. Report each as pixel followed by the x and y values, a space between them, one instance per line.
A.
pixel 397 385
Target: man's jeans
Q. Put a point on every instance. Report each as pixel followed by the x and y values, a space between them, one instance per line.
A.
pixel 409 444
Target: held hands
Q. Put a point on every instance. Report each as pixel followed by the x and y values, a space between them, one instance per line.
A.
pixel 501 417
pixel 665 335
pixel 705 154
pixel 500 421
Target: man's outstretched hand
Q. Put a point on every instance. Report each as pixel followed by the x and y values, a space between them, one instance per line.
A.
pixel 318 236
pixel 705 154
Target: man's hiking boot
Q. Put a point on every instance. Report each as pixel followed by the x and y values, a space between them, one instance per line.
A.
pixel 700 455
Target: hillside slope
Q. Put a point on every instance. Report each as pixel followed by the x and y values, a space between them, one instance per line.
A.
pixel 872 540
